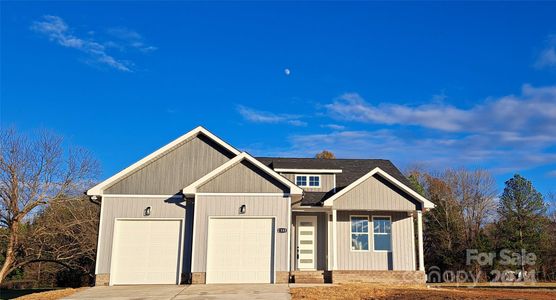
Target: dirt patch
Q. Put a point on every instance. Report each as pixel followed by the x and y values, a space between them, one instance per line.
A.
pixel 368 291
pixel 50 295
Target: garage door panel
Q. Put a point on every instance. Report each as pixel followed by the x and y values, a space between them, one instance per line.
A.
pixel 240 250
pixel 146 252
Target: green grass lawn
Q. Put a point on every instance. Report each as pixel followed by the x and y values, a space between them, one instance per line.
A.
pixel 10 294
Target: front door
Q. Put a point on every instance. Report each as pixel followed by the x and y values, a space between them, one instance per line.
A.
pixel 306 242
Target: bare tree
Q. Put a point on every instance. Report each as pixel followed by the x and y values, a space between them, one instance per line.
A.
pixel 475 192
pixel 34 172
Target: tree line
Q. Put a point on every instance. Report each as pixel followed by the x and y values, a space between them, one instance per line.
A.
pixel 486 234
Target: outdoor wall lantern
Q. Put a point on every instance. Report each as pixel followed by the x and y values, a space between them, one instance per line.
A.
pixel 147 211
pixel 242 209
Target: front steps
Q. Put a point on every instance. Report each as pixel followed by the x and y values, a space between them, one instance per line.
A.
pixel 311 277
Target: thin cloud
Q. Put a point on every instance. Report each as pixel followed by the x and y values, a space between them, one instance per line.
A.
pixel 257 116
pixel 333 126
pixel 529 117
pixel 129 38
pixel 547 57
pixel 58 31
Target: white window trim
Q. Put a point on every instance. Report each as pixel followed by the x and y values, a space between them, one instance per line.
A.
pixel 368 233
pixel 389 218
pixel 309 186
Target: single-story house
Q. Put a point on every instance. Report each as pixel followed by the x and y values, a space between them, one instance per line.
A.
pixel 200 211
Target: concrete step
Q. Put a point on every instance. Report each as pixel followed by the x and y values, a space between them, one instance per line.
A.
pixel 311 277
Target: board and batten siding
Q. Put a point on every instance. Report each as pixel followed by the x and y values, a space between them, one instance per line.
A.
pixel 376 193
pixel 133 207
pixel 175 169
pixel 228 206
pixel 322 239
pixel 326 181
pixel 243 177
pixel 402 257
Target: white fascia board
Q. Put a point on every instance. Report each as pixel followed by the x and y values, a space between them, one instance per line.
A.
pixel 427 204
pixel 99 188
pixel 321 171
pixel 191 189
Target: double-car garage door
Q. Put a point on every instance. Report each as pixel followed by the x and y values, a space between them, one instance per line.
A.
pixel 239 250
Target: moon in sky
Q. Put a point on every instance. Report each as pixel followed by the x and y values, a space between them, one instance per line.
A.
pixel 287 71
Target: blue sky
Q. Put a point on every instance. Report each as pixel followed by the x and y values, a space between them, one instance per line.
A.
pixel 435 84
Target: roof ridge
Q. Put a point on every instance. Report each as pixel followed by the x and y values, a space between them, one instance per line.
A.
pixel 312 158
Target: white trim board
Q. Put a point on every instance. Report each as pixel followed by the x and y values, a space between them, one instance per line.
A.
pixel 98 189
pixel 245 194
pixel 191 189
pixel 426 203
pixel 140 196
pixel 318 171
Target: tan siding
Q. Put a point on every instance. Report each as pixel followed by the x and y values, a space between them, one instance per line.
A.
pixel 375 193
pixel 228 205
pixel 403 250
pixel 133 208
pixel 173 171
pixel 322 239
pixel 326 185
pixel 243 177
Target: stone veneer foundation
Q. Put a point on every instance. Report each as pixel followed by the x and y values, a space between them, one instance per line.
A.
pixel 102 279
pixel 394 277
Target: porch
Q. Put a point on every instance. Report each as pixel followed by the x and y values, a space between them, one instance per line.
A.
pixel 330 245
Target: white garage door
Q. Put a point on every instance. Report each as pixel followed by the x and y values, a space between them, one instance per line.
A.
pixel 146 252
pixel 240 251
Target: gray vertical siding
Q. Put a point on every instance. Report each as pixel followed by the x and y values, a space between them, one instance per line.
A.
pixel 326 185
pixel 174 170
pixel 228 205
pixel 322 239
pixel 133 208
pixel 243 177
pixel 403 247
pixel 376 193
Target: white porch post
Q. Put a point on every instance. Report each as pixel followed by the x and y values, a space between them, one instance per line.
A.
pixel 329 240
pixel 334 239
pixel 420 240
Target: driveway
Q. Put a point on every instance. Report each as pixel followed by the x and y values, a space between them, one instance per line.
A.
pixel 201 291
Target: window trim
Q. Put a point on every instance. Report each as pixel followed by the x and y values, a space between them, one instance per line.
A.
pixel 390 219
pixel 307 181
pixel 351 232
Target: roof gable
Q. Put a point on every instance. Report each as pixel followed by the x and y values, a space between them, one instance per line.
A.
pixel 192 189
pixel 100 188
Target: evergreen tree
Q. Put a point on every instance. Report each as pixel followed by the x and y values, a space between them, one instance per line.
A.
pixel 521 224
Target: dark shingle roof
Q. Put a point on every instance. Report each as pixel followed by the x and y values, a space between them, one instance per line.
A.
pixel 352 169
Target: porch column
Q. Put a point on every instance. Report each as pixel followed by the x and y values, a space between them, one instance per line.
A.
pixel 420 240
pixel 334 239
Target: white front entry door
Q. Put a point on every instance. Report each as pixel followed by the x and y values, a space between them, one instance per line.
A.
pixel 240 250
pixel 306 242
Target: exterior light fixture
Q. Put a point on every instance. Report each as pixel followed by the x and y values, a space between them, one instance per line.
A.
pixel 147 211
pixel 242 209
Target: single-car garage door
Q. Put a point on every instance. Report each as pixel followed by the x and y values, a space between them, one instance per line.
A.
pixel 146 252
pixel 240 250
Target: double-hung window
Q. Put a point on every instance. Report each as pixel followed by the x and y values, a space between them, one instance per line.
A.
pixel 382 233
pixel 359 233
pixel 310 181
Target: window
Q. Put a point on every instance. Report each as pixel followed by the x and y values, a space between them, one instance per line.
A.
pixel 359 233
pixel 312 181
pixel 382 229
